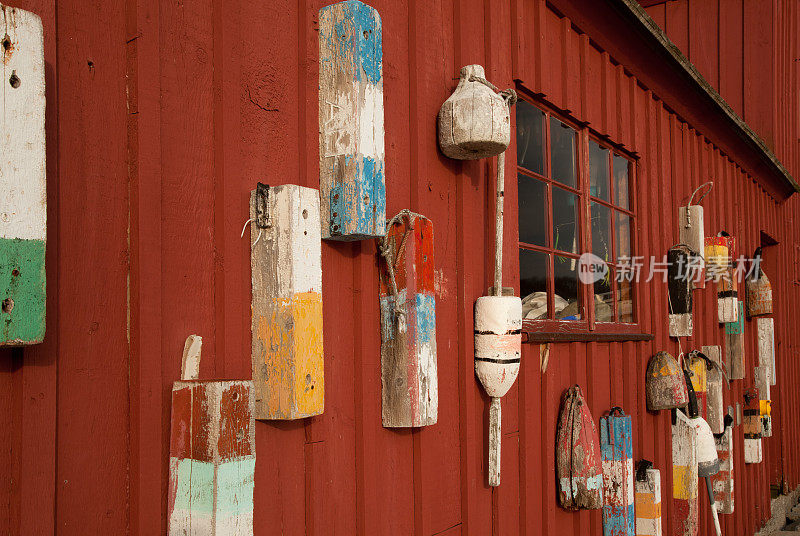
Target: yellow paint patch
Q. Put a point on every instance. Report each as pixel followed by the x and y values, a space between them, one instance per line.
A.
pixel 291 383
pixel 646 507
pixel 682 485
pixel 699 376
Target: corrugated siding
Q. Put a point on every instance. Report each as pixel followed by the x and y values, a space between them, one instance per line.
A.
pixel 161 118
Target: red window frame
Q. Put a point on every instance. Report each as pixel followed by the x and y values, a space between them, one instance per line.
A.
pixel 588 325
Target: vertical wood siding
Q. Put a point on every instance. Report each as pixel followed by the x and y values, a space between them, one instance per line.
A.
pixel 162 116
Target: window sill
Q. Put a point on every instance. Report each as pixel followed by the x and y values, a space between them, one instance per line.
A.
pixel 550 336
pixel 557 331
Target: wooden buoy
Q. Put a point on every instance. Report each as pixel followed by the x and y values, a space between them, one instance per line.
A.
pixel 707 462
pixel 765 329
pixel 715 414
pixel 759 290
pixel 23 221
pixel 684 475
pixel 753 426
pixel 648 500
pixel 691 230
pixel 351 135
pixel 408 323
pixel 286 307
pixel 579 467
pixel 698 368
pixel 212 453
pixel 679 286
pixel 474 122
pixel 734 345
pixel 616 449
pixel 722 482
pixel 665 385
pixel 761 380
pixel 719 268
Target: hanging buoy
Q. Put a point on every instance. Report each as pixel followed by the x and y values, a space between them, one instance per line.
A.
pixel 759 290
pixel 719 267
pixel 679 287
pixel 648 500
pixel 474 122
pixel 707 462
pixel 734 345
pixel 761 375
pixel 722 482
pixel 684 475
pixel 697 366
pixel 578 463
pixel 691 230
pixel 765 329
pixel 408 323
pixel 753 427
pixel 616 448
pixel 714 377
pixel 664 384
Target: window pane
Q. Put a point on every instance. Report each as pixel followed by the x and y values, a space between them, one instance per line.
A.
pixel 601 231
pixel 530 137
pixel 533 284
pixel 621 181
pixel 598 171
pixel 625 301
pixel 603 300
pixel 565 221
pixel 566 304
pixel 562 152
pixel 532 210
pixel 623 224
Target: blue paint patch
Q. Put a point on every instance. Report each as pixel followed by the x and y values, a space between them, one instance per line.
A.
pixel 734 328
pixel 372 186
pixel 357 31
pixel 337 208
pixel 235 481
pixel 426 318
pixel 616 440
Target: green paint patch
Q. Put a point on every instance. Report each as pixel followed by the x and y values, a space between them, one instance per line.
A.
pixel 22 291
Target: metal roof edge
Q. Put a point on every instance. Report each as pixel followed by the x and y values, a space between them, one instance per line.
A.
pixel 637 14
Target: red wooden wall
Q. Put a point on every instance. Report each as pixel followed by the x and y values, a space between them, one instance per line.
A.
pixel 161 118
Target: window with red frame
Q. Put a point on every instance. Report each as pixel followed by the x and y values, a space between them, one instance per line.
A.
pixel 574 198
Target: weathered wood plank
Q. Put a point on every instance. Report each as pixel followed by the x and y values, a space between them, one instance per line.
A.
pixel 648 504
pixel 23 210
pixel 616 448
pixel 408 323
pixel 684 476
pixel 714 382
pixel 734 346
pixel 578 461
pixel 286 264
pixel 722 482
pixel 351 140
pixel 761 381
pixel 212 457
pixel 766 346
pixel 752 426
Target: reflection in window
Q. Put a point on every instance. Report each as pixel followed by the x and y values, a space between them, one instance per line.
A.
pixel 565 221
pixel 533 284
pixel 625 301
pixel 621 181
pixel 598 171
pixel 603 300
pixel 562 153
pixel 530 137
pixel 623 224
pixel 601 231
pixel 565 278
pixel 532 210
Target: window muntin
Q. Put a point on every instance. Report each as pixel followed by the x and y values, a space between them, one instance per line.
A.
pixel 571 175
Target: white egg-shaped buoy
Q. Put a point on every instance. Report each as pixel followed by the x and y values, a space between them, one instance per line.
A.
pixel 474 122
pixel 498 342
